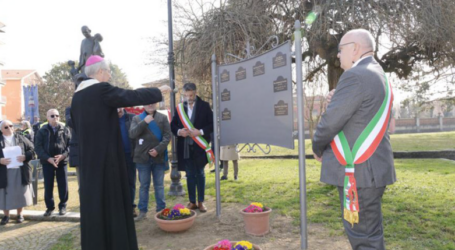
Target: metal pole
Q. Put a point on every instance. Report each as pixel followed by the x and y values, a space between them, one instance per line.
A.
pixel 215 134
pixel 176 186
pixel 302 177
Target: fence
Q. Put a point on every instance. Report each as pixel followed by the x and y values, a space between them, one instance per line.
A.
pixel 416 125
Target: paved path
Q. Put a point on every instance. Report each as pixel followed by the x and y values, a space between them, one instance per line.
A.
pixel 33 235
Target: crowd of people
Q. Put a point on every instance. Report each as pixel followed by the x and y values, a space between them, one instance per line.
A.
pixel 108 146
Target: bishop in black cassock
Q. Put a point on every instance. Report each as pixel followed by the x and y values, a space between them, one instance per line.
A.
pixel 106 213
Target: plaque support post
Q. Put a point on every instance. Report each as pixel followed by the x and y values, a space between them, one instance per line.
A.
pixel 176 188
pixel 302 177
pixel 216 136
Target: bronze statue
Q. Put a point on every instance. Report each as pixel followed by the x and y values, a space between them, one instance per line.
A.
pixel 89 46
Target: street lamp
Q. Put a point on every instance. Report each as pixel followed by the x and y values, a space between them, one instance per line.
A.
pixel 176 187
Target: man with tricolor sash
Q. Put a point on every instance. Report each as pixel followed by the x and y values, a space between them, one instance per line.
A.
pixel 192 124
pixel 352 140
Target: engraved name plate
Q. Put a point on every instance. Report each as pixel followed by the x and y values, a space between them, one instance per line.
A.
pixel 225 76
pixel 226 115
pixel 279 60
pixel 258 69
pixel 280 84
pixel 240 74
pixel 281 108
pixel 225 95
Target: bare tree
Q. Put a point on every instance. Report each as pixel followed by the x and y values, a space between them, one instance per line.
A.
pixel 411 34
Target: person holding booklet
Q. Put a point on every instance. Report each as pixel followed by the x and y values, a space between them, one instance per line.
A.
pixel 16 190
pixel 192 124
pixel 353 143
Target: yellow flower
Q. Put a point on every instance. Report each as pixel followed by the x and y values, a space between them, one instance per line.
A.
pixel 257 204
pixel 246 244
pixel 185 211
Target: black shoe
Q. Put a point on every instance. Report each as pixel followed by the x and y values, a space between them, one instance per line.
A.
pixel 223 178
pixel 5 220
pixel 48 213
pixel 62 211
pixel 20 219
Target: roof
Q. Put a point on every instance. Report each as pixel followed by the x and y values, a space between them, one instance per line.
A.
pixel 156 83
pixel 16 74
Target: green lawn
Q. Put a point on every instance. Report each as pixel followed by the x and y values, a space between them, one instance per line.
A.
pixel 419 210
pixel 400 142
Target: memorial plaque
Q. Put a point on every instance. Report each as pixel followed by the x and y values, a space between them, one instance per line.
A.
pixel 225 76
pixel 281 108
pixel 258 69
pixel 240 74
pixel 226 115
pixel 279 60
pixel 280 84
pixel 259 93
pixel 225 95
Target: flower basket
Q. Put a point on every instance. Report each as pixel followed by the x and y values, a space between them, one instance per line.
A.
pixel 256 219
pixel 212 247
pixel 172 221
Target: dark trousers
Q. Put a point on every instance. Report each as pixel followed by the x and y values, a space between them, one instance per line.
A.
pixel 131 169
pixel 368 234
pixel 195 179
pixel 49 174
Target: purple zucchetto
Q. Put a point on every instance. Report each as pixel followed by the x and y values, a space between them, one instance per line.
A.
pixel 93 59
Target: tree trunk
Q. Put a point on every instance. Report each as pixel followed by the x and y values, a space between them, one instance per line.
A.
pixel 333 75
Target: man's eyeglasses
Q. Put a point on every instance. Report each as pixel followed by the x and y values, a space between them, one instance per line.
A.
pixel 53 116
pixel 339 46
pixel 8 126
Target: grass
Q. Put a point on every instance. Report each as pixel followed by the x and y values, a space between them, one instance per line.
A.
pixel 418 210
pixel 65 242
pixel 73 196
pixel 400 143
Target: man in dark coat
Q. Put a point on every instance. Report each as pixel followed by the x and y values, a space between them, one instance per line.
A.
pixel 52 148
pixel 191 157
pixel 106 212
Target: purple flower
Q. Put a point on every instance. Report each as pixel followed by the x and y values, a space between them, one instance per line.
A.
pixel 174 213
pixel 240 247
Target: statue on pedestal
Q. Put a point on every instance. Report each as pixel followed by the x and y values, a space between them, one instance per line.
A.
pixel 89 46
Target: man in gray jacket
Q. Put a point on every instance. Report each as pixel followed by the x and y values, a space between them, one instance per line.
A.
pixel 151 132
pixel 361 94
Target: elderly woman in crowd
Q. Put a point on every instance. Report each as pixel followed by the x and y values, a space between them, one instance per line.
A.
pixel 15 183
pixel 27 130
pixel 152 133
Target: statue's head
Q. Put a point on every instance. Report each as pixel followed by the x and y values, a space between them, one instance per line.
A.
pixel 98 37
pixel 86 31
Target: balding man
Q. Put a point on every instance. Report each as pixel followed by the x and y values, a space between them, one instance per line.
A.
pixel 51 146
pixel 353 143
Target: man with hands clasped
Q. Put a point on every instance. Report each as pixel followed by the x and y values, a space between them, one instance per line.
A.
pixel 51 146
pixel 192 124
pixel 152 133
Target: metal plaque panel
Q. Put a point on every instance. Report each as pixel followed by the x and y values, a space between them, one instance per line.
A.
pixel 256 99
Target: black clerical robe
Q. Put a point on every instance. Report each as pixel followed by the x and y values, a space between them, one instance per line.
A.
pixel 106 212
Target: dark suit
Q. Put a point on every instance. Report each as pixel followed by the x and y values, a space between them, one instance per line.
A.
pixel 359 95
pixel 194 166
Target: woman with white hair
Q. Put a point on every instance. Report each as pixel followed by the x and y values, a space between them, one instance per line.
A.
pixel 15 183
pixel 27 130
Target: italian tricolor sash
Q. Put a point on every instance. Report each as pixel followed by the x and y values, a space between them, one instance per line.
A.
pixel 198 139
pixel 363 148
